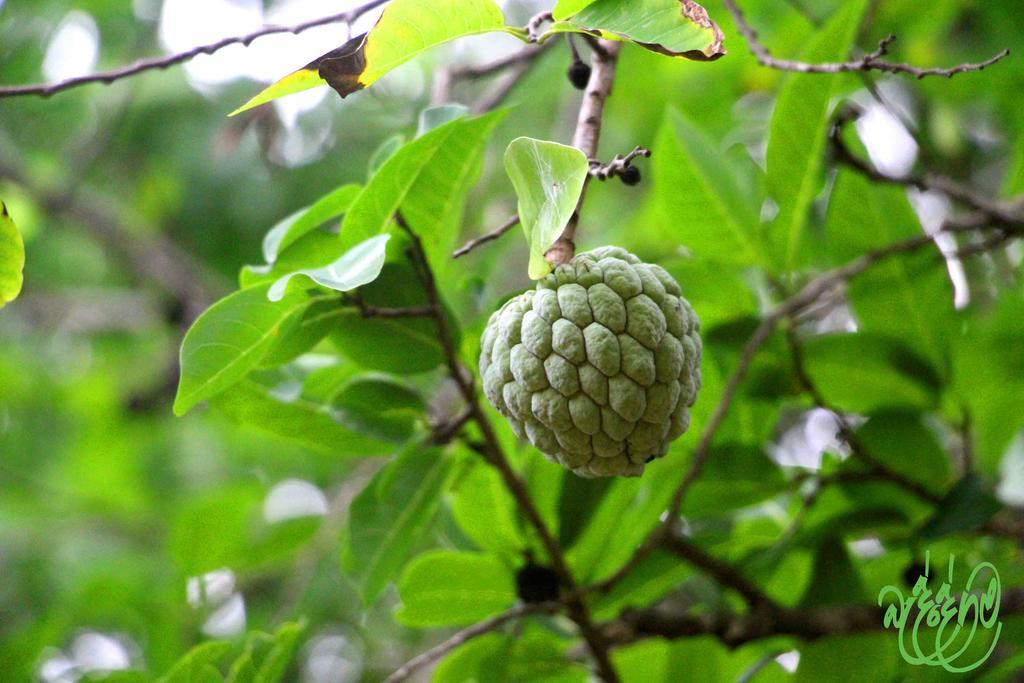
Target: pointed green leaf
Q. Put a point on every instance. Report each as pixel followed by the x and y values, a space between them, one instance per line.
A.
pixel 389 516
pixel 886 374
pixel 700 197
pixel 293 228
pixel 12 258
pixel 548 178
pixel 445 588
pixel 486 512
pixel 400 345
pixel 230 339
pixel 297 81
pixel 426 179
pixel 299 419
pixel 566 8
pixel 192 666
pixel 409 27
pixel 405 29
pixel 677 28
pixel 275 664
pixel 909 297
pixel 799 133
pixel 358 266
pixel 378 406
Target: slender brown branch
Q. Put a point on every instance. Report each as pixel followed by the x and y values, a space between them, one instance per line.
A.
pixel 143 65
pixel 987 210
pixel 446 432
pixel 465 635
pixel 493 453
pixel 666 621
pixel 723 573
pixel 472 71
pixel 587 136
pixel 618 165
pixel 846 431
pixel 873 61
pixel 483 239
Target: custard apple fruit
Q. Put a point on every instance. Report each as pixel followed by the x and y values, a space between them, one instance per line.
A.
pixel 598 366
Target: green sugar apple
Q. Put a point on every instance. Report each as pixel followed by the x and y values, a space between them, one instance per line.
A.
pixel 598 366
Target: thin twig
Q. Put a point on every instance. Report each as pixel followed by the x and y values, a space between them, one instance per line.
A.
pixel 988 211
pixel 494 454
pixel 465 635
pixel 472 71
pixel 722 572
pixel 533 26
pixel 483 239
pixel 143 65
pixel 617 165
pixel 870 62
pixel 807 623
pixel 878 469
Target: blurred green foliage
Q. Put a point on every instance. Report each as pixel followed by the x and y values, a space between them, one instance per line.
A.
pixel 118 519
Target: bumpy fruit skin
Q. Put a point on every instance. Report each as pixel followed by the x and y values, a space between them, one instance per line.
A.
pixel 598 366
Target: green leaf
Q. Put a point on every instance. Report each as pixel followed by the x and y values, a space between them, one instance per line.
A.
pixel 901 441
pixel 297 81
pixel 293 228
pixel 700 198
pixel 404 30
pixel 230 339
pixel 677 28
pixel 865 372
pixel 387 519
pixel 316 323
pixel 445 588
pixel 538 656
pixel 967 506
pixel 379 407
pixel 303 421
pixel 435 117
pixel 988 363
pixel 566 8
pixel 384 151
pixel 548 178
pixel 485 510
pixel 799 132
pixel 358 266
pixel 275 664
pixel 426 179
pixel 194 666
pixel 736 475
pixel 12 258
pixel 909 296
pixel 865 657
pixel 399 345
pixel 834 579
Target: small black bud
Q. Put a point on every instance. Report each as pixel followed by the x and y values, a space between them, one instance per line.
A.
pixel 535 583
pixel 579 75
pixel 630 175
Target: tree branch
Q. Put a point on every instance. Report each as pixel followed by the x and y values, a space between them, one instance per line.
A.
pixel 723 573
pixel 737 629
pixel 143 65
pixel 493 453
pixel 469 633
pixel 872 61
pixel 483 239
pixel 618 165
pixel 587 137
